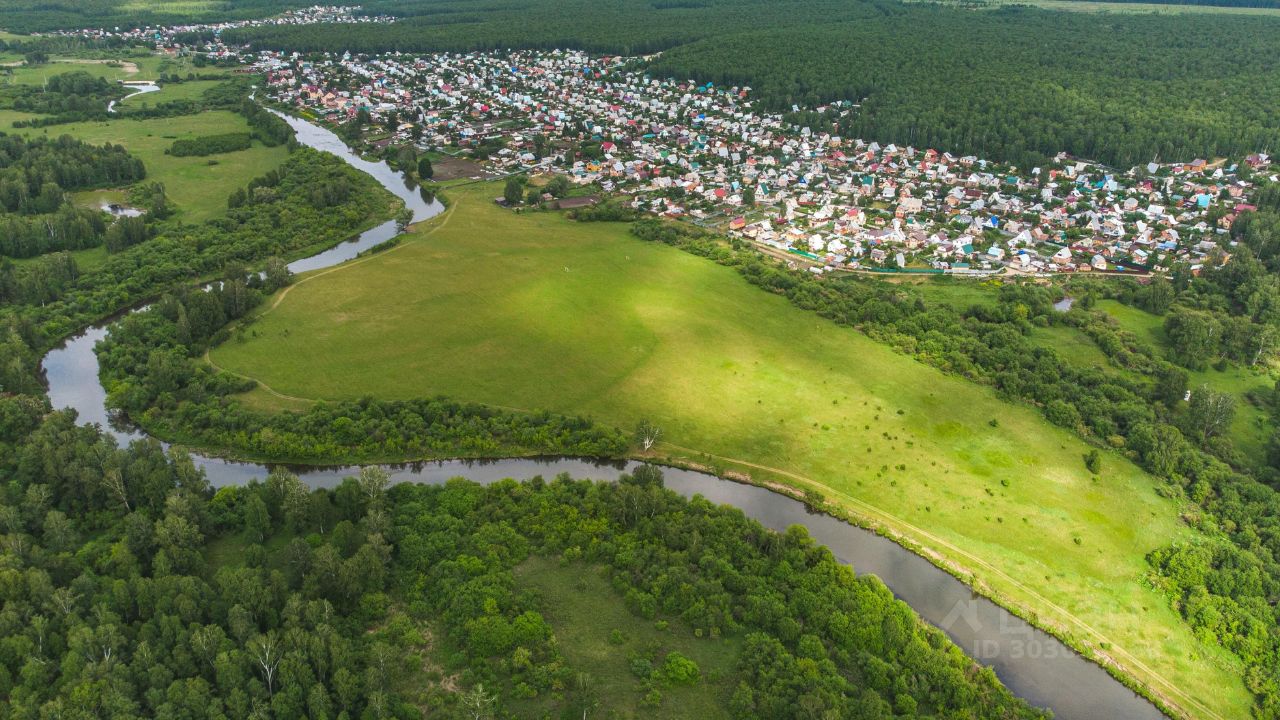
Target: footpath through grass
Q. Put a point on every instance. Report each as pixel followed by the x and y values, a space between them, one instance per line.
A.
pixel 534 311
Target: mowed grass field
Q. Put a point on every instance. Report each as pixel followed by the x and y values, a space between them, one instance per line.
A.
pixel 534 311
pixel 199 186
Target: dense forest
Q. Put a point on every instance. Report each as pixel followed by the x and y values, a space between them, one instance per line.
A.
pixel 209 145
pixel 35 172
pixel 1121 89
pixel 36 175
pixel 133 589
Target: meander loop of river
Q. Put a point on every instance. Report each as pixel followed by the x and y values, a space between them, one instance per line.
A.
pixel 1032 664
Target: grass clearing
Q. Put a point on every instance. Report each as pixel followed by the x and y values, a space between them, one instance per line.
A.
pixel 96 198
pixel 1148 327
pixel 199 186
pixel 229 550
pixel 189 90
pixel 87 259
pixel 957 293
pixel 583 609
pixel 534 311
pixel 172 7
pixel 122 65
pixel 1251 428
pixel 39 74
pixel 1074 346
pixel 9 117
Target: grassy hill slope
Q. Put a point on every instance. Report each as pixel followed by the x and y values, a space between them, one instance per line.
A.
pixel 537 312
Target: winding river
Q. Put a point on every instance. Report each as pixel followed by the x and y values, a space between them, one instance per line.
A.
pixel 1033 664
pixel 138 87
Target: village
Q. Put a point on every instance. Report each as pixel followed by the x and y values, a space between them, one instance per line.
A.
pixel 707 155
pixel 174 38
pixel 712 156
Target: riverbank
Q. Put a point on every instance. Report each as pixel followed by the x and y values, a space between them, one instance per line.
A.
pixel 602 228
pixel 532 311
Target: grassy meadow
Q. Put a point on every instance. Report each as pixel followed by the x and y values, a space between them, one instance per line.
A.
pixel 958 293
pixel 536 312
pixel 87 259
pixel 199 186
pixel 123 69
pixel 190 90
pixel 584 611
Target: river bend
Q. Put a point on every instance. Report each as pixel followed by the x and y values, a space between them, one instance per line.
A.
pixel 1032 664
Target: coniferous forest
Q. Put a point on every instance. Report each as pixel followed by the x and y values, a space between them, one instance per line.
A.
pixel 1014 84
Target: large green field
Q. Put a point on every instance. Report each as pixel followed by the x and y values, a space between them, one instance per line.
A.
pixel 125 69
pixel 534 311
pixel 199 186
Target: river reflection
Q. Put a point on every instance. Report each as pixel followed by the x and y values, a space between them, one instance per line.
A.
pixel 1033 664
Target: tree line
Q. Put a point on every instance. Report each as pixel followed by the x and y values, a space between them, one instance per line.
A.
pixel 35 172
pixel 209 145
pixel 134 589
pixel 36 175
pixel 1136 413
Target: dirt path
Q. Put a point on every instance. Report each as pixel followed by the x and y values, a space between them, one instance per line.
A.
pixel 280 298
pixel 261 384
